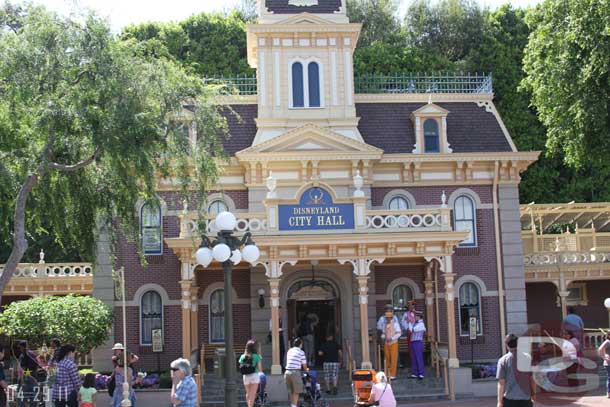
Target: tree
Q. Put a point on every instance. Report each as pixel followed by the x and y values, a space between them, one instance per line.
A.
pixel 81 321
pixel 567 62
pixel 379 20
pixel 87 126
pixel 205 44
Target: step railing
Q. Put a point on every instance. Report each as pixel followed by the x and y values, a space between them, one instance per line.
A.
pixel 348 357
pixel 439 362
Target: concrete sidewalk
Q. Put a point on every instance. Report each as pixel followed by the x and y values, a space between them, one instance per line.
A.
pixel 161 399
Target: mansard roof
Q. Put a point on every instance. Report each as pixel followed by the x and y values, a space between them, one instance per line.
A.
pixel 389 126
pixel 323 7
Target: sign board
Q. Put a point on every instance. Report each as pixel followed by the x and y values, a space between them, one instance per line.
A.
pixel 472 328
pixel 157 340
pixel 316 211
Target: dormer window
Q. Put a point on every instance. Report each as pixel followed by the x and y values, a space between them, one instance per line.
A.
pixel 431 136
pixel 430 122
pixel 305 85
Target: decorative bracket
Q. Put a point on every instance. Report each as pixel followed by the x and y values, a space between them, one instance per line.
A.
pixel 273 268
pixel 362 267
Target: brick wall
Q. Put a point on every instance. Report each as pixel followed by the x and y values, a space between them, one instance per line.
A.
pixel 173 199
pixel 242 324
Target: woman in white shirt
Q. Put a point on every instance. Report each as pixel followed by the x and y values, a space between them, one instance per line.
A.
pixel 382 392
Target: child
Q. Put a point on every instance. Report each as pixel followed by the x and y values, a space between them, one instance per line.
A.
pixel 86 394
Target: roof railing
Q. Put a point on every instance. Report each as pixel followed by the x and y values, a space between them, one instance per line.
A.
pixel 378 83
pixel 424 83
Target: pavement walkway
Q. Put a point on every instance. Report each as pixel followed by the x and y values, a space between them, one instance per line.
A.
pixel 161 399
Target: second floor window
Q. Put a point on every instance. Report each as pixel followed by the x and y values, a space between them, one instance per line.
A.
pixel 216 207
pixel 150 228
pixel 431 137
pixel 398 203
pixel 151 315
pixel 217 316
pixel 305 84
pixel 464 219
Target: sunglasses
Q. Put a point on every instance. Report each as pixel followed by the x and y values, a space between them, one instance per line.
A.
pixel 174 369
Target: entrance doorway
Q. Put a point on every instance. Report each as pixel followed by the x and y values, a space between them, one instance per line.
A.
pixel 315 301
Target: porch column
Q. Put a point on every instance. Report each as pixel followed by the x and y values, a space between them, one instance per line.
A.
pixel 186 318
pixel 273 271
pixel 429 286
pixel 194 317
pixel 274 284
pixel 362 268
pixel 453 361
pixel 563 293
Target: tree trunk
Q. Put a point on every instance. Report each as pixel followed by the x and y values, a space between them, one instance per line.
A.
pixel 20 244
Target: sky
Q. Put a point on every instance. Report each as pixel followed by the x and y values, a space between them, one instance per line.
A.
pixel 125 12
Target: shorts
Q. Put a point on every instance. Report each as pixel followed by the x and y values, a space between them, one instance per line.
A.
pixel 331 370
pixel 252 378
pixel 294 381
pixel 517 403
pixel 85 404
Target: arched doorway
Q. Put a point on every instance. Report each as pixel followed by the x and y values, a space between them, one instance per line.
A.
pixel 315 300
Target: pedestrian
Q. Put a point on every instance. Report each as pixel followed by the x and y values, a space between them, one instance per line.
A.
pixel 119 380
pixel 86 394
pixel 118 349
pixel 332 356
pixel 381 392
pixel 604 353
pixel 306 334
pixel 390 335
pixel 67 382
pixel 28 361
pixel 381 320
pixel 250 366
pixel 3 382
pixel 574 323
pixel 55 345
pixel 184 388
pixel 515 388
pixel 296 363
pixel 417 330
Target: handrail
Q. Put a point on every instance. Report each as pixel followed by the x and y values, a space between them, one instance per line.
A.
pixel 440 360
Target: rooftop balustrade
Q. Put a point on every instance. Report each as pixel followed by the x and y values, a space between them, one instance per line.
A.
pixel 395 83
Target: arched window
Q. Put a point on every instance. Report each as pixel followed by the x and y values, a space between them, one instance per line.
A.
pixel 401 295
pixel 431 137
pixel 151 315
pixel 464 219
pixel 217 316
pixel 398 203
pixel 313 83
pixel 217 206
pixel 150 228
pixel 470 306
pixel 298 94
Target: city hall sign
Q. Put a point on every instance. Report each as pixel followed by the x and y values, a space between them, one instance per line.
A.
pixel 316 211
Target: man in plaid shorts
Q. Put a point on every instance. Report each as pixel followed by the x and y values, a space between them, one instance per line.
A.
pixel 331 354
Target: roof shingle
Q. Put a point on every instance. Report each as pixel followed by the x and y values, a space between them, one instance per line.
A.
pixel 323 7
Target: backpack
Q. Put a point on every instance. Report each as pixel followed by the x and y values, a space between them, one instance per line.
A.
pixel 111 384
pixel 247 366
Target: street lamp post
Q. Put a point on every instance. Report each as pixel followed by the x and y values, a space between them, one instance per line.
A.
pixel 125 402
pixel 226 250
pixel 607 305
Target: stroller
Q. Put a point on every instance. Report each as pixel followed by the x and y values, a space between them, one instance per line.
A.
pixel 312 396
pixel 261 394
pixel 362 384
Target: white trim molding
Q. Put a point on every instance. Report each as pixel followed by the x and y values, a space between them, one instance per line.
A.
pixel 417 294
pixel 402 193
pixel 469 278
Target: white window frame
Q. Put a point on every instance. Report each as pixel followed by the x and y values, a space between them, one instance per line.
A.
pixel 217 201
pixel 211 339
pixel 142 343
pixel 480 307
pixel 583 299
pixel 305 63
pixel 160 227
pixel 473 221
pixel 396 197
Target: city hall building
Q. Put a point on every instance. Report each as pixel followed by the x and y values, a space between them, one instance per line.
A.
pixel 358 192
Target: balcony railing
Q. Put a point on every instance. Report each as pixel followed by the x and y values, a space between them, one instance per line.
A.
pixel 251 222
pixel 53 270
pixel 407 220
pixel 379 83
pixel 565 258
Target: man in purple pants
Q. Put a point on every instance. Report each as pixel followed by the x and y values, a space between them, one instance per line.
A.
pixel 418 330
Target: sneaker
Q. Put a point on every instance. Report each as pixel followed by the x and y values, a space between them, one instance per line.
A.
pixel 413 376
pixel 392 377
pixel 421 377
